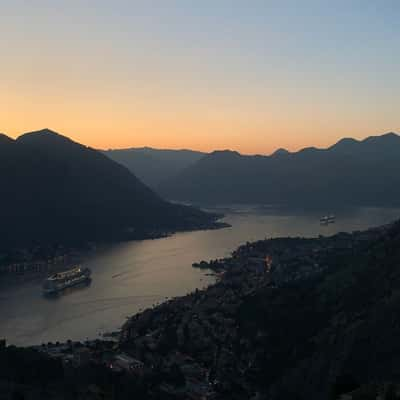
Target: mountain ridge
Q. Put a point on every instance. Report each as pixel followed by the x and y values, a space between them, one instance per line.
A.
pixel 57 190
pixel 154 165
pixel 348 172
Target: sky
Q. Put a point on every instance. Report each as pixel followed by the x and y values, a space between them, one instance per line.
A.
pixel 251 76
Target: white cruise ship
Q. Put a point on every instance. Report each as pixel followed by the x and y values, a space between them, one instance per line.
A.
pixel 62 280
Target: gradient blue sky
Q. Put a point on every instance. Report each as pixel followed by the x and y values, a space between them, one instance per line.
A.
pixel 246 75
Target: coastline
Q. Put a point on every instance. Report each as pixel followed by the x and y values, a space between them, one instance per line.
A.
pixel 132 276
pixel 250 262
pixel 22 270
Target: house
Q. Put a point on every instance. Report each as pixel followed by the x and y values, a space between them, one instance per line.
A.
pixel 124 362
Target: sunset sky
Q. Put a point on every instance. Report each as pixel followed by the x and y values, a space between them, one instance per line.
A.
pixel 247 75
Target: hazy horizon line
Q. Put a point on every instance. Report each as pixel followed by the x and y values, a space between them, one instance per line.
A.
pixel 249 154
pixel 149 147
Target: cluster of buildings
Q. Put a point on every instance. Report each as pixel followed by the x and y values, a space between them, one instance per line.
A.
pixel 100 352
pixel 202 332
pixel 35 266
pixel 38 260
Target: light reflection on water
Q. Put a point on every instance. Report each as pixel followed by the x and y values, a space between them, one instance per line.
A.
pixel 132 276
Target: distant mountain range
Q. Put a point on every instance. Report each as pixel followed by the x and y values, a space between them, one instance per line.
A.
pixel 56 190
pixel 351 172
pixel 154 166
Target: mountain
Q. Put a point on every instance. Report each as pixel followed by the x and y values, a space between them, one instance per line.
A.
pixel 153 166
pixel 56 190
pixel 350 172
pixel 281 152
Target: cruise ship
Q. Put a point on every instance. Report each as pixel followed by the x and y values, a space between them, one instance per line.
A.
pixel 62 280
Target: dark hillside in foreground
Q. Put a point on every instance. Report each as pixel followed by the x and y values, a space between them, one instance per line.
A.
pixel 351 172
pixel 340 326
pixel 56 190
pixel 324 320
pixel 154 166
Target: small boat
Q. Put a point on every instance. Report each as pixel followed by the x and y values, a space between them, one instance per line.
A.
pixel 324 220
pixel 62 280
pixel 327 219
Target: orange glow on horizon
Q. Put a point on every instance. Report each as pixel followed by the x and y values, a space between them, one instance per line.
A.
pixel 205 126
pixel 158 113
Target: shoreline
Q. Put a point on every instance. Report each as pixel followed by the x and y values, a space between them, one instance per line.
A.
pixel 213 274
pixel 38 269
pixel 215 268
pixel 246 259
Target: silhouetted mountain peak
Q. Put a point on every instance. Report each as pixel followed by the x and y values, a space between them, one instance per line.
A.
pixel 280 152
pixel 53 144
pixel 58 190
pixel 349 172
pixel 350 144
pixel 43 136
pixel 5 139
pixel 46 131
pixel 344 143
pixel 308 150
pixel 220 156
pixel 390 136
pixel 225 153
pixel 384 145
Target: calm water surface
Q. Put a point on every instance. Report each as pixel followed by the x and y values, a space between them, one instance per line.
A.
pixel 131 276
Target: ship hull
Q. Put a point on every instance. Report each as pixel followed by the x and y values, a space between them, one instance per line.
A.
pixel 57 287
